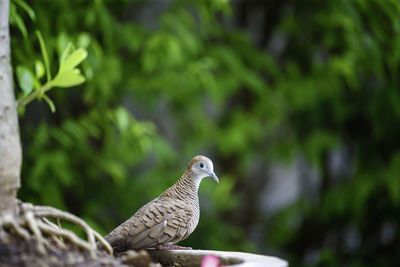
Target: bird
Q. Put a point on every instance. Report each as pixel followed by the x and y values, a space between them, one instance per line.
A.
pixel 169 218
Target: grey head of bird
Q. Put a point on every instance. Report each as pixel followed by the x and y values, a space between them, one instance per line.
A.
pixel 201 167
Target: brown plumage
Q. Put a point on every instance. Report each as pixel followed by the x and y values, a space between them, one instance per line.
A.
pixel 169 218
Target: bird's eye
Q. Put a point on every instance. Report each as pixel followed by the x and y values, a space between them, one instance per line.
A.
pixel 201 165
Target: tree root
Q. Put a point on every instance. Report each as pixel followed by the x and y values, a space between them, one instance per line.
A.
pixel 31 222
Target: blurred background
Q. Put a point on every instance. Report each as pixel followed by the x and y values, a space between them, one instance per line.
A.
pixel 296 102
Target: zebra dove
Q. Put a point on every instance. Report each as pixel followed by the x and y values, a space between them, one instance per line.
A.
pixel 169 218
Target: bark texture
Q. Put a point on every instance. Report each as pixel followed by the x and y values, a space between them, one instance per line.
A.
pixel 10 146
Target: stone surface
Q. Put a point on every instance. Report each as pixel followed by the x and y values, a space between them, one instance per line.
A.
pixel 193 258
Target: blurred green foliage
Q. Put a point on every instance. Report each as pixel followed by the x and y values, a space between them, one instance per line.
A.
pixel 162 87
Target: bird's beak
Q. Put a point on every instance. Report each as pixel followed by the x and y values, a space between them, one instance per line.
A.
pixel 212 175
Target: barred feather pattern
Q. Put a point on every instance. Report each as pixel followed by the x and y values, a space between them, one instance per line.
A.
pixel 166 220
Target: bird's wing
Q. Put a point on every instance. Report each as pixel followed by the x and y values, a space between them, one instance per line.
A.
pixel 156 223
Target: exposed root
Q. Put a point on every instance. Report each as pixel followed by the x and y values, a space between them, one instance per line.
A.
pixel 67 235
pixel 33 219
pixel 32 224
pixel 19 230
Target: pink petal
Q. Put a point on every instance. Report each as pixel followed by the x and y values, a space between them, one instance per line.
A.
pixel 210 261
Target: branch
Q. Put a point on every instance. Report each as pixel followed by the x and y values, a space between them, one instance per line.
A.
pixel 29 98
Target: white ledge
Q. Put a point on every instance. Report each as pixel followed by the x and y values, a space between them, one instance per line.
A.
pixel 228 258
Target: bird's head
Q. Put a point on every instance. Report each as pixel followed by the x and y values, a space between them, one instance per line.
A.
pixel 201 167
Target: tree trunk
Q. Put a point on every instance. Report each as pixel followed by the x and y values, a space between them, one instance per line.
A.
pixel 10 146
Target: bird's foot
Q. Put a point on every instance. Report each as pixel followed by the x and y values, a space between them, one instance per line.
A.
pixel 170 247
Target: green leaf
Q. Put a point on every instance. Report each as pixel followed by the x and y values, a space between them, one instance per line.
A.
pixel 50 103
pixel 123 118
pixel 25 79
pixel 63 41
pixel 27 9
pixel 84 40
pixel 73 60
pixel 21 25
pixel 21 111
pixel 65 54
pixel 15 18
pixel 68 78
pixel 44 53
pixel 39 69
